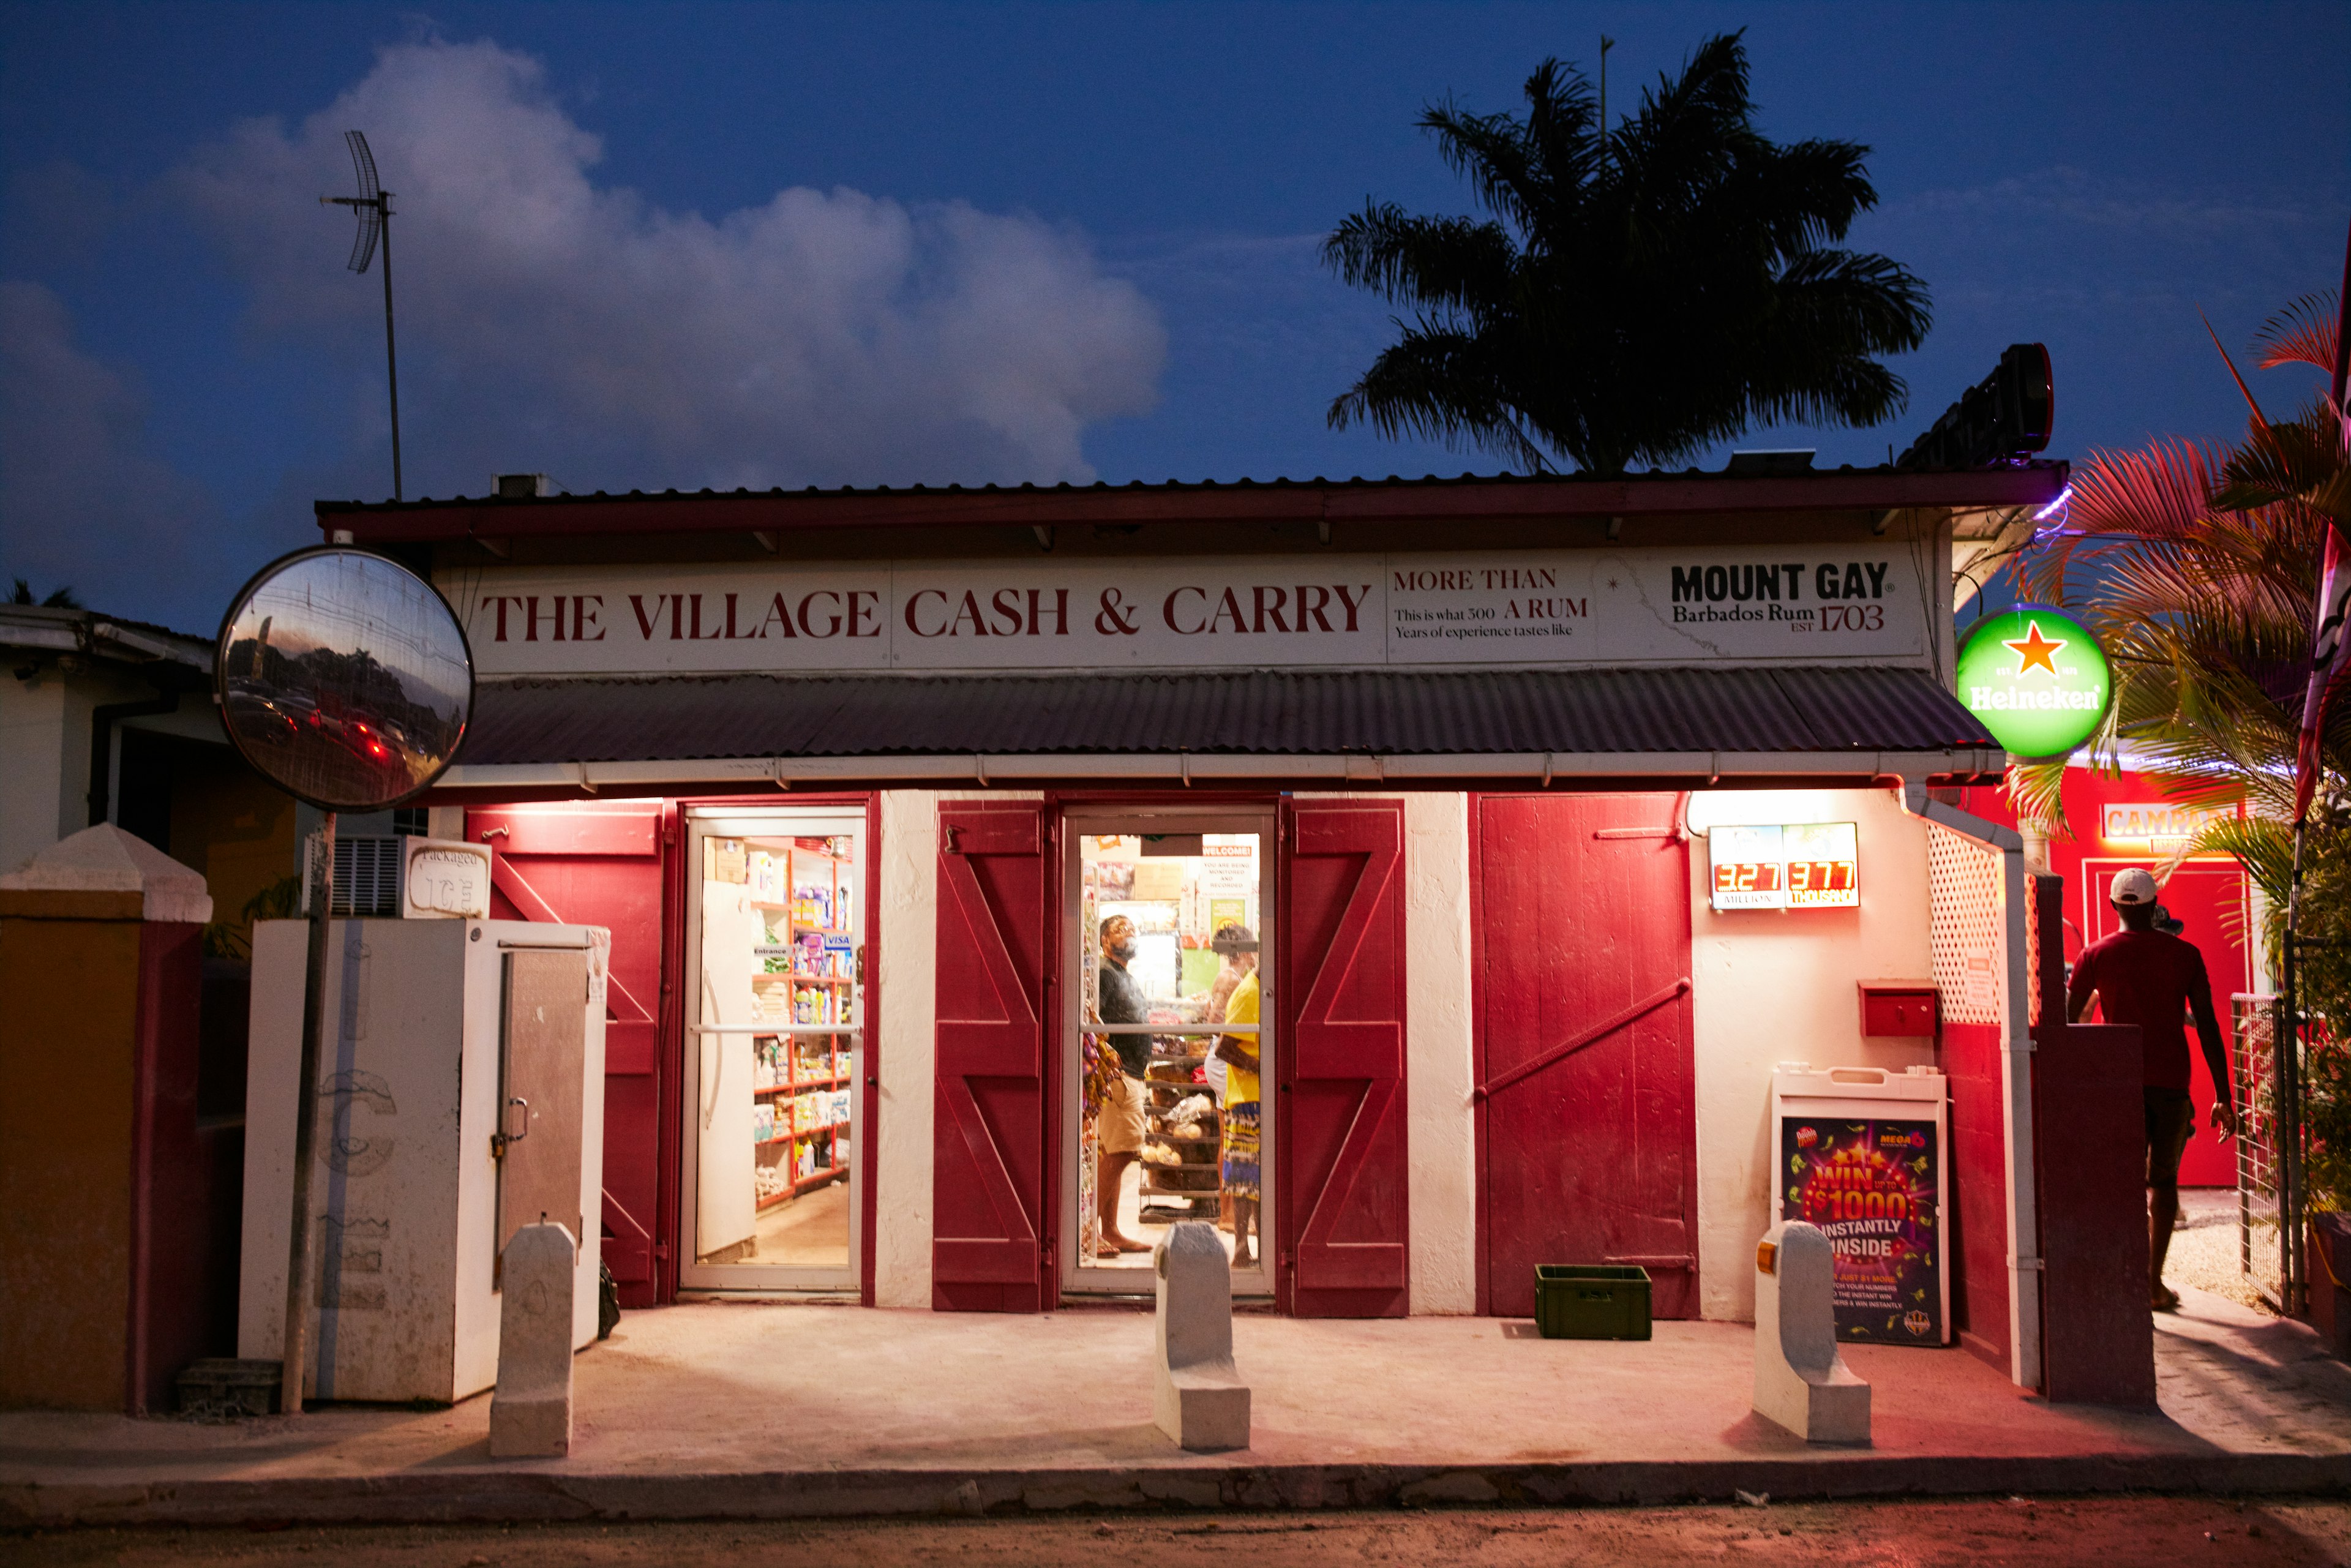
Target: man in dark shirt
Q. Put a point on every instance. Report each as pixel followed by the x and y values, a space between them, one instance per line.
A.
pixel 2149 978
pixel 1119 999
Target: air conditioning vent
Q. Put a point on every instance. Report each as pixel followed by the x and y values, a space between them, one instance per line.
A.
pixel 367 875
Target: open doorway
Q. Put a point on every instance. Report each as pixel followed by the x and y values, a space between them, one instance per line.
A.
pixel 1167 1043
pixel 775 1009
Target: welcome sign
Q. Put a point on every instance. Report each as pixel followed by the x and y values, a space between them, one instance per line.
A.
pixel 1755 604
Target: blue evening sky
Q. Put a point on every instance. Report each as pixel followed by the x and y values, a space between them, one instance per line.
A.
pixel 648 245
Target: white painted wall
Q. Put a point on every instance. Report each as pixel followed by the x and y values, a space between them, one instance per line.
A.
pixel 907 929
pixel 1438 1060
pixel 1770 986
pixel 44 754
pixel 32 766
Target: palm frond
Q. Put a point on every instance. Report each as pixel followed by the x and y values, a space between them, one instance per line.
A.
pixel 2304 333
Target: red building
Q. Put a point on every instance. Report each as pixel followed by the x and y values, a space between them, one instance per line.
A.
pixel 857 779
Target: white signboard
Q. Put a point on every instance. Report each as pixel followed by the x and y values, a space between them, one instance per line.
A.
pixel 444 879
pixel 1789 605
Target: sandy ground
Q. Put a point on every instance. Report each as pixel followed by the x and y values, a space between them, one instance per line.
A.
pixel 2205 1254
pixel 2115 1532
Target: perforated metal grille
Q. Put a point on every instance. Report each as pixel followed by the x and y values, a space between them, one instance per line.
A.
pixel 1965 928
pixel 367 875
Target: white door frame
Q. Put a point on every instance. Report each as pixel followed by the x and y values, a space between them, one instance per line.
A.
pixel 1078 1277
pixel 767 822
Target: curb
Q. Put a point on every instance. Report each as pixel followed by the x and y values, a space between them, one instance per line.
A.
pixel 532 1496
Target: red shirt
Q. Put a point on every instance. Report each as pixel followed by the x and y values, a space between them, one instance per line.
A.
pixel 2146 978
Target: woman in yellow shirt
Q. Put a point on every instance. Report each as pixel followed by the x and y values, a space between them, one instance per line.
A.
pixel 1239 1052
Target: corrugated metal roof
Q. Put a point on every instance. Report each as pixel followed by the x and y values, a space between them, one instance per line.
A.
pixel 1292 713
pixel 1569 480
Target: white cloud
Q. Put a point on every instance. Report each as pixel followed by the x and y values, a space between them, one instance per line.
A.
pixel 546 322
pixel 84 503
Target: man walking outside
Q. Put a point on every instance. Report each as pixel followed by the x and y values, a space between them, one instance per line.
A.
pixel 2149 978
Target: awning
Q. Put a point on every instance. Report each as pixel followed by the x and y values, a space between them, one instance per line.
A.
pixel 1807 721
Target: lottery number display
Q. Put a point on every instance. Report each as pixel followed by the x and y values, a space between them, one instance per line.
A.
pixel 1793 865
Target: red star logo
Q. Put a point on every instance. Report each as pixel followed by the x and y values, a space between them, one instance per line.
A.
pixel 2035 649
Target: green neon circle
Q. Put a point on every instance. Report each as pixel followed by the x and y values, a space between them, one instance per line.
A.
pixel 2043 698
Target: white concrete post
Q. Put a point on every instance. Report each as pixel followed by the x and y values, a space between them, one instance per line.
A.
pixel 1801 1381
pixel 1197 1396
pixel 530 1413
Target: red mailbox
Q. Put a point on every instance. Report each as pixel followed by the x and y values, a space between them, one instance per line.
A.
pixel 1898 1008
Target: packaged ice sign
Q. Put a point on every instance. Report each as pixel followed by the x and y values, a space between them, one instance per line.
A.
pixel 2036 680
pixel 1792 865
pixel 446 880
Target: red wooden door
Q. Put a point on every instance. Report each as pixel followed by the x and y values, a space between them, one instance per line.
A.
pixel 1342 1152
pixel 599 864
pixel 1587 1144
pixel 2209 901
pixel 988 1166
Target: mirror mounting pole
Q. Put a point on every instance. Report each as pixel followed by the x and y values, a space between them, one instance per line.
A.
pixel 297 1344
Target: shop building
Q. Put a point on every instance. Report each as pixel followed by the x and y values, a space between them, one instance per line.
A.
pixel 857 779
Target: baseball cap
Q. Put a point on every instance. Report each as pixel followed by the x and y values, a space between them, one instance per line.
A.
pixel 2134 887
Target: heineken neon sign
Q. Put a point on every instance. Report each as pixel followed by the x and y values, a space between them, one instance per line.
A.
pixel 2036 680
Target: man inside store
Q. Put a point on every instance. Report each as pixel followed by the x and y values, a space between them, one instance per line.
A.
pixel 1121 1000
pixel 2147 976
pixel 1243 1142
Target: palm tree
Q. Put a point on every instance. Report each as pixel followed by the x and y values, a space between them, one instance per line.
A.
pixel 2199 570
pixel 59 598
pixel 1639 293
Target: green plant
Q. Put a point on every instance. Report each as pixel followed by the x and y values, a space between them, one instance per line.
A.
pixel 1641 291
pixel 281 900
pixel 2199 570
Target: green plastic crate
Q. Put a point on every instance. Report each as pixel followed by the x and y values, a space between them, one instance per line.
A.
pixel 1592 1301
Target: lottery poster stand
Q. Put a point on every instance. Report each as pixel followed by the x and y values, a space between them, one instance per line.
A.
pixel 1864 1154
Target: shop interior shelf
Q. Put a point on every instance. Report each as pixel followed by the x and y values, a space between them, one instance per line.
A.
pixel 1171 1138
pixel 771 975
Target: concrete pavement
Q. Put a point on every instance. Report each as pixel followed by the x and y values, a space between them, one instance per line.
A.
pixel 764 1411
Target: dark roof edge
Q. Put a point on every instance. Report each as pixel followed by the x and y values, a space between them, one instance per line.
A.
pixel 1350 500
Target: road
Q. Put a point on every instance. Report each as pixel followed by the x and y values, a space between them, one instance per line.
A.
pixel 2112 1533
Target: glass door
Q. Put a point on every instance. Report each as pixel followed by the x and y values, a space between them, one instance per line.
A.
pixel 1167 1031
pixel 775 1015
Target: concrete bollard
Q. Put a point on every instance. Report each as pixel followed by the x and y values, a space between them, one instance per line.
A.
pixel 530 1413
pixel 1197 1396
pixel 1801 1381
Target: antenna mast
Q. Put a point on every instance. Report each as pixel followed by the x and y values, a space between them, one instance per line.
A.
pixel 1606 44
pixel 372 207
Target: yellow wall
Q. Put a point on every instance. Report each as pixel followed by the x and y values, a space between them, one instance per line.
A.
pixel 65 1041
pixel 229 824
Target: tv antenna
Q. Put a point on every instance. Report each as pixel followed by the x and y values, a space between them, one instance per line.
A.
pixel 372 207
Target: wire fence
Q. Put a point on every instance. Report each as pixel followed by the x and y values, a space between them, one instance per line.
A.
pixel 2269 1202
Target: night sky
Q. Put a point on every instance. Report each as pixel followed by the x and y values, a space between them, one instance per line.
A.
pixel 652 246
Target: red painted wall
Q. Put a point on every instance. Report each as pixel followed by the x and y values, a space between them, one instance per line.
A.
pixel 2209 896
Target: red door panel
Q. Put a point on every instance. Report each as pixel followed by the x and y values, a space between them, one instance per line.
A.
pixel 599 864
pixel 988 1169
pixel 1588 1124
pixel 2210 903
pixel 1345 1175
